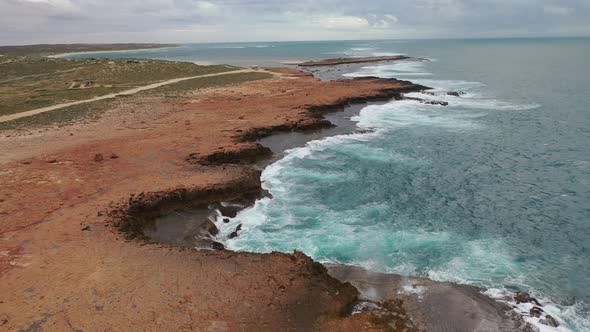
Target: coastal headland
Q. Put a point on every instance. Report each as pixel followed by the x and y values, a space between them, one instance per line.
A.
pixel 75 197
pixel 343 61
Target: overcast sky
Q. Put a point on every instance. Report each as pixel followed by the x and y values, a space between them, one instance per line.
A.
pixel 184 21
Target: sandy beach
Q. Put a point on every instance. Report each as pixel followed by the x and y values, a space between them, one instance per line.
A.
pixel 62 55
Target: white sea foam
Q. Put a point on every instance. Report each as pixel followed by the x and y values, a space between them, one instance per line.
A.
pixel 483 263
pixel 472 100
pixel 488 262
pixel 475 97
pixel 409 288
pixel 565 315
pixel 366 306
pixel 339 53
pixel 412 113
pixel 387 54
pixel 393 42
pixel 451 85
pixel 380 117
pixel 243 46
pixel 401 68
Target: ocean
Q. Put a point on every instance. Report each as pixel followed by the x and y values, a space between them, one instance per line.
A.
pixel 492 190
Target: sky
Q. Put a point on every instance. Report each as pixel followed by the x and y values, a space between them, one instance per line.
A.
pixel 185 21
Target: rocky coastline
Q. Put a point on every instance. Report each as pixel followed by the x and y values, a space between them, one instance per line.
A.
pixel 396 302
pixel 189 154
pixel 343 61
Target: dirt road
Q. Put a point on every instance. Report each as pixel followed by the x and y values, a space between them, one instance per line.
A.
pixel 113 95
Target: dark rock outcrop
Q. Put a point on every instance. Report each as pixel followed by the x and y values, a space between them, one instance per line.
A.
pixel 536 312
pixel 435 102
pixel 428 102
pixel 316 120
pixel 235 233
pixel 245 155
pixel 523 297
pixel 217 246
pixel 141 211
pixel 341 61
pixel 455 93
pixel 550 321
pixel 450 93
pixel 209 227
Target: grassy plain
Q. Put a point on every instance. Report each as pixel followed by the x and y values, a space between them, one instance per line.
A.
pixel 29 83
pixel 93 110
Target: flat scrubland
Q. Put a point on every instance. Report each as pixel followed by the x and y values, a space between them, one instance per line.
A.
pixel 28 83
pixel 45 49
pixel 93 110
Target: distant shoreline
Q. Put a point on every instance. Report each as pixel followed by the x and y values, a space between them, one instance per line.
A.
pixel 342 61
pixel 61 55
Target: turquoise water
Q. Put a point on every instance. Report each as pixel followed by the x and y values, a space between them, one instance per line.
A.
pixel 244 54
pixel 492 190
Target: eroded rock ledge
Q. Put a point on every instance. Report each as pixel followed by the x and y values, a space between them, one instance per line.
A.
pixel 313 119
pixel 139 212
pixel 171 153
pixel 244 154
pixel 356 299
pixel 430 305
pixel 341 61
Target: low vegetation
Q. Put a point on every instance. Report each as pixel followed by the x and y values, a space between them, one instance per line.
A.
pixel 181 88
pixel 28 83
pixel 44 49
pixel 93 110
pixel 30 80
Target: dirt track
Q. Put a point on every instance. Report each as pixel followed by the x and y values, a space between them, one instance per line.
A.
pixel 114 95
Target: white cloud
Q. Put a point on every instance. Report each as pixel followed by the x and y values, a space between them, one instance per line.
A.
pixel 62 21
pixel 391 18
pixel 340 22
pixel 207 8
pixel 56 4
pixel 557 10
pixel 387 21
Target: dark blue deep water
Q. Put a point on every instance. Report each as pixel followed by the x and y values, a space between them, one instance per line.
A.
pixel 493 190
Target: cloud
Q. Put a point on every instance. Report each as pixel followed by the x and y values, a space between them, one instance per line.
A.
pixel 557 10
pixel 386 21
pixel 340 22
pixel 208 8
pixel 58 21
pixel 50 7
pixel 391 18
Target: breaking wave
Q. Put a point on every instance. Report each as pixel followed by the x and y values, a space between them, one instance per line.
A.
pixel 345 199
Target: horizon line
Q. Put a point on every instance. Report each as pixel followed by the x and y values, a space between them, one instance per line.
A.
pixel 300 41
